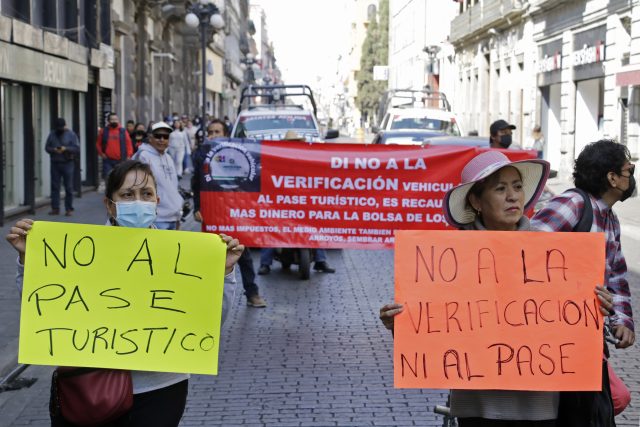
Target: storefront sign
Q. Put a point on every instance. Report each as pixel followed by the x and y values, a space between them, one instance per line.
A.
pixel 498 310
pixel 34 67
pixel 589 54
pixel 321 195
pixel 589 49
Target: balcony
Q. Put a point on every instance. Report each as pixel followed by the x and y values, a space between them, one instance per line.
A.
pixel 482 16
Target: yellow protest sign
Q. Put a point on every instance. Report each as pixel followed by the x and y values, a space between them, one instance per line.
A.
pixel 118 297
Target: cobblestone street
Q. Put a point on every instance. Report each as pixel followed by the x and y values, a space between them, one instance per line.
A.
pixel 316 356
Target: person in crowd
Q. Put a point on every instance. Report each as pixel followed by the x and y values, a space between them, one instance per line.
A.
pixel 178 146
pixel 319 255
pixel 63 148
pixel 159 398
pixel 603 170
pixel 190 130
pixel 538 141
pixel 216 129
pixel 139 136
pixel 131 127
pixel 228 125
pixel 501 135
pixel 169 208
pixel 493 195
pixel 113 144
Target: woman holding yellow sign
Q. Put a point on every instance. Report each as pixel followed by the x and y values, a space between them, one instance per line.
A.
pixel 494 195
pixel 159 398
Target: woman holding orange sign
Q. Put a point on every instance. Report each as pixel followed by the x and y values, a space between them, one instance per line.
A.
pixel 494 195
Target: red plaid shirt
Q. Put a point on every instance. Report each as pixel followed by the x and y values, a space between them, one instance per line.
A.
pixel 562 213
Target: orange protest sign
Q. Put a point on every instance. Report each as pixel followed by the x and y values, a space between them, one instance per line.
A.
pixel 498 310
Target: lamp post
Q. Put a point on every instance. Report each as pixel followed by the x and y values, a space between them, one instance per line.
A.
pixel 250 66
pixel 155 55
pixel 204 14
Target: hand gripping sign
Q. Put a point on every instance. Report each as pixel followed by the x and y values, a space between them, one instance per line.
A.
pixel 117 297
pixel 498 310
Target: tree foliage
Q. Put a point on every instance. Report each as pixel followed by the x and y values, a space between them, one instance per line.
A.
pixel 375 51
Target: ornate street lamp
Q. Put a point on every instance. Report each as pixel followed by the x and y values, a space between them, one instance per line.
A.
pixel 250 65
pixel 205 14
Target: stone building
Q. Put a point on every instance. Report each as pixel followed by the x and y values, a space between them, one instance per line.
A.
pixel 570 67
pixel 56 60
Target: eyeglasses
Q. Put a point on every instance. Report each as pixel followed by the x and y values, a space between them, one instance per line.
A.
pixel 631 170
pixel 161 136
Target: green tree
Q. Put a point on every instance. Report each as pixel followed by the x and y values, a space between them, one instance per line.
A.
pixel 375 51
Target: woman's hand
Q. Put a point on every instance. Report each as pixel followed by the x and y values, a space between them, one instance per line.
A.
pixel 625 336
pixel 387 313
pixel 606 300
pixel 234 250
pixel 18 236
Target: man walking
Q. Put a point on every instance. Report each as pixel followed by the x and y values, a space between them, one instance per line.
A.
pixel 216 129
pixel 604 171
pixel 113 144
pixel 155 155
pixel 63 147
pixel 501 134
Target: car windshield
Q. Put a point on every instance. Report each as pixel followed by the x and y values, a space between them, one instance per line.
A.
pixel 448 127
pixel 273 122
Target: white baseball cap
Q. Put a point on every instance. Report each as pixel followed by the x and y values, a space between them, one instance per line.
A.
pixel 160 125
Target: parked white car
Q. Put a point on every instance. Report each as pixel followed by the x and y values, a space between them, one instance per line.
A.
pixel 267 113
pixel 418 109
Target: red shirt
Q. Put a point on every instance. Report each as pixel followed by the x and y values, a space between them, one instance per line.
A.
pixel 113 143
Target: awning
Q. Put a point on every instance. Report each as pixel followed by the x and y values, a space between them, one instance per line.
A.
pixel 629 75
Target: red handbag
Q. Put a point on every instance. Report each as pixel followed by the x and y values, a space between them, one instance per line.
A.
pixel 91 396
pixel 620 394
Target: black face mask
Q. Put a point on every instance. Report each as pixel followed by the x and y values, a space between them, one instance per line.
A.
pixel 139 134
pixel 629 191
pixel 113 125
pixel 505 141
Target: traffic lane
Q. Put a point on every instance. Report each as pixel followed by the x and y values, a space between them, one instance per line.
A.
pixel 317 355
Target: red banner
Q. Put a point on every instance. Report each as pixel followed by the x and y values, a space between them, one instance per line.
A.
pixel 295 194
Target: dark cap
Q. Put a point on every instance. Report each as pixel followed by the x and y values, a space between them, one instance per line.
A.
pixel 500 125
pixel 59 123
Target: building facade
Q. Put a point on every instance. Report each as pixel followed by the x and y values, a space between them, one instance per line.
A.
pixel 55 61
pixel 416 37
pixel 566 66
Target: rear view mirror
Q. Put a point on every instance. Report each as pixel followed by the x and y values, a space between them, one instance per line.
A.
pixel 332 133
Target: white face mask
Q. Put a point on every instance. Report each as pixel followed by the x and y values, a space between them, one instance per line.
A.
pixel 137 214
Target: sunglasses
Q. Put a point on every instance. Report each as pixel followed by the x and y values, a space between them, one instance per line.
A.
pixel 161 136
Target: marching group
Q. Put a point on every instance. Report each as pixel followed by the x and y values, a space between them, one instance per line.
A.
pixel 142 167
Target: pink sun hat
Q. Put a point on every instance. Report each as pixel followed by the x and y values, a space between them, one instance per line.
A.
pixel 534 173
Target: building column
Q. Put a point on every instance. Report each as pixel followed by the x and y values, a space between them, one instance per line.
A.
pixel 613 61
pixel 567 107
pixel 633 141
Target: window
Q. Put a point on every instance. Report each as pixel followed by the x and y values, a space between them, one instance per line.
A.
pixel 19 9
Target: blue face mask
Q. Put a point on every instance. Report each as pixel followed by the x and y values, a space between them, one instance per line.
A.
pixel 137 214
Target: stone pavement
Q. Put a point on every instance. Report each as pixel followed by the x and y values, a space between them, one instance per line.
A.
pixel 316 356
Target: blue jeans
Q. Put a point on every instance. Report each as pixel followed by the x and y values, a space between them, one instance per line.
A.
pixel 107 166
pixel 165 225
pixel 64 171
pixel 248 274
pixel 266 255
